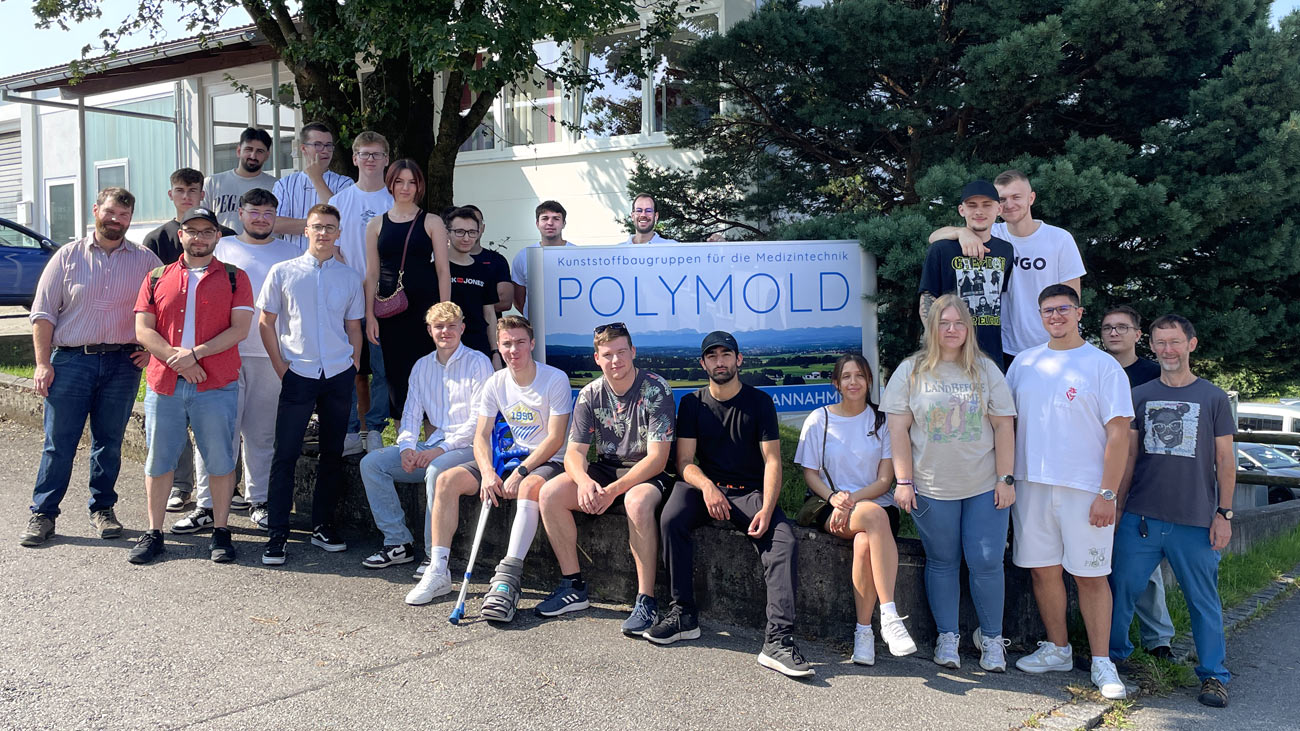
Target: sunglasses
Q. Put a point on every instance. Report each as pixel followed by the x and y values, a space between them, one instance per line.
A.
pixel 609 326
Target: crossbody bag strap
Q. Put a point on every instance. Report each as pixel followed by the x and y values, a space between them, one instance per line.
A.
pixel 825 430
pixel 401 268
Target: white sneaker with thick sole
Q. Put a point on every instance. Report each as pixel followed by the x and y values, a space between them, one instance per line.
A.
pixel 432 585
pixel 1106 677
pixel 864 646
pixel 373 441
pixel 352 444
pixel 945 650
pixel 1048 658
pixel 993 652
pixel 896 636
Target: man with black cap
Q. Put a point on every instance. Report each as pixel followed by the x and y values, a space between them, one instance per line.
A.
pixel 191 315
pixel 729 454
pixel 984 280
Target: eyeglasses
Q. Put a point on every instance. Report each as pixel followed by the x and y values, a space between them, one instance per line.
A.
pixel 1063 310
pixel 609 326
pixel 320 146
pixel 461 233
pixel 258 214
pixel 952 325
pixel 207 233
pixel 643 210
pixel 1121 329
pixel 324 228
pixel 372 155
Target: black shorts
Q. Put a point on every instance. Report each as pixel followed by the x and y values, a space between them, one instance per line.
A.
pixel 890 510
pixel 605 473
pixel 545 471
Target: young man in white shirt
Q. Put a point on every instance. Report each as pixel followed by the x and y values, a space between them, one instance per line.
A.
pixel 1044 255
pixel 358 204
pixel 445 387
pixel 1072 438
pixel 645 216
pixel 315 184
pixel 222 192
pixel 535 401
pixel 550 218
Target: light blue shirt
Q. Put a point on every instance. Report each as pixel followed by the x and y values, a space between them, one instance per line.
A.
pixel 655 239
pixel 311 300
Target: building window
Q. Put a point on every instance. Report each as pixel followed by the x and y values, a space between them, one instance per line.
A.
pixel 532 106
pixel 229 118
pixel 61 198
pixel 111 174
pixel 667 78
pixel 288 123
pixel 613 106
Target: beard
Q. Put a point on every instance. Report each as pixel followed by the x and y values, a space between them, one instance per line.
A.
pixel 722 378
pixel 251 166
pixel 110 231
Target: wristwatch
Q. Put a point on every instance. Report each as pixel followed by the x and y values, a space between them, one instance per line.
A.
pixel 1225 512
pixel 521 470
pixel 1107 494
pixel 1007 480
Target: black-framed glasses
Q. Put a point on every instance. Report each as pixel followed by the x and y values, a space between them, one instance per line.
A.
pixel 1121 329
pixel 372 155
pixel 320 146
pixel 1063 310
pixel 461 233
pixel 207 233
pixel 609 326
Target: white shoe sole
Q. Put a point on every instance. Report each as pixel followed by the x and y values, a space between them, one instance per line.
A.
pixel 993 668
pixel 902 651
pixel 1113 695
pixel 950 664
pixel 864 661
pixel 268 561
pixel 690 634
pixel 386 564
pixel 1040 669
pixel 331 547
pixel 772 664
pixel 417 598
pixel 573 607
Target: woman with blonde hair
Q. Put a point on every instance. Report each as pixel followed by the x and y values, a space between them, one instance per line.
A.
pixel 844 450
pixel 951 421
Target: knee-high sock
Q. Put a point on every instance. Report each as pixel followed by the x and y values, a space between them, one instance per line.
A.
pixel 523 530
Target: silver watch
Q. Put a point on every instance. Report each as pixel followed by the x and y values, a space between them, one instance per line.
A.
pixel 1107 494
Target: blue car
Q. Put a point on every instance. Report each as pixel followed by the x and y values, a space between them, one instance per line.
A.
pixel 23 255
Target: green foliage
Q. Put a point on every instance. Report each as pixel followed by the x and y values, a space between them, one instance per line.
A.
pixel 1164 136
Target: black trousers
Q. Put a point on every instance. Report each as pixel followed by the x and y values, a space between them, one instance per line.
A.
pixel 777 549
pixel 331 398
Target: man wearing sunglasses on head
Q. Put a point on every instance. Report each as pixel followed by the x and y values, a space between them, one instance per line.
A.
pixel 645 216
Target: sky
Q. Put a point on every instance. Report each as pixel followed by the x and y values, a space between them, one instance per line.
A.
pixel 28 50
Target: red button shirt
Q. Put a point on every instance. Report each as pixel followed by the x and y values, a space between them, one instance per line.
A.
pixel 214 301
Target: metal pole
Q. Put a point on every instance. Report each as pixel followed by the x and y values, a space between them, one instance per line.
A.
pixel 81 104
pixel 275 115
pixel 178 118
pixel 82 175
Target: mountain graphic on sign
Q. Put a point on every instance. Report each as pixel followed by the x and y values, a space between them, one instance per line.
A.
pixel 809 338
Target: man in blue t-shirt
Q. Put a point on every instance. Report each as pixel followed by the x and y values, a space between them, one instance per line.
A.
pixel 1172 506
pixel 979 282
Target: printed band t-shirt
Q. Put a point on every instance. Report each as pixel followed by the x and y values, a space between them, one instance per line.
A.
pixel 980 283
pixel 1064 399
pixel 356 208
pixel 951 435
pixel 1174 478
pixel 622 427
pixel 729 433
pixel 528 410
pixel 854 449
pixel 1049 256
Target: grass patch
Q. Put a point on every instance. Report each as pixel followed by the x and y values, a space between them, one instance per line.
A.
pixel 1241 575
pixel 27 370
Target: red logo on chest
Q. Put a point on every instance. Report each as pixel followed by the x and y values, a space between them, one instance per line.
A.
pixel 1070 393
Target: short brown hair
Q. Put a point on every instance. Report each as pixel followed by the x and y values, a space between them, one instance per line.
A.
pixel 550 207
pixel 313 127
pixel 1010 176
pixel 187 176
pixel 325 209
pixel 370 137
pixel 515 322
pixel 406 163
pixel 1131 313
pixel 1171 321
pixel 444 312
pixel 610 333
pixel 1059 290
pixel 116 195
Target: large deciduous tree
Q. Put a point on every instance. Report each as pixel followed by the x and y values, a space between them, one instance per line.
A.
pixel 1165 136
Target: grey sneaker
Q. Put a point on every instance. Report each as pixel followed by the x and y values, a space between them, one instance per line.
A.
pixel 105 523
pixel 642 617
pixel 945 650
pixel 177 500
pixel 40 528
pixel 503 596
pixel 784 657
pixel 199 519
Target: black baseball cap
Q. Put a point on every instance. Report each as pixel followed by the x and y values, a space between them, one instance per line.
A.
pixel 203 213
pixel 716 338
pixel 979 187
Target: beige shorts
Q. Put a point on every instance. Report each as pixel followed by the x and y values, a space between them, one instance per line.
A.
pixel 1051 528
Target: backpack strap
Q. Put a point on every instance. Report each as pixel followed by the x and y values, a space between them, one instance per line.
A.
pixel 154 275
pixel 231 271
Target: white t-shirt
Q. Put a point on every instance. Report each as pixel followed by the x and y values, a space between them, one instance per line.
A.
pixel 1064 398
pixel 256 260
pixel 528 410
pixel 191 291
pixel 519 267
pixel 297 194
pixel 853 451
pixel 1047 257
pixel 357 208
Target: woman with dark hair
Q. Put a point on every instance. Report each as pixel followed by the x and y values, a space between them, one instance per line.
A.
pixel 844 450
pixel 406 256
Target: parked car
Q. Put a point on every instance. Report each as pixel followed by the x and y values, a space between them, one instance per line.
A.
pixel 23 255
pixel 1281 417
pixel 1264 459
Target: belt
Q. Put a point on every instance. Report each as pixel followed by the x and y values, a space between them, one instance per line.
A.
pixel 98 348
pixel 734 488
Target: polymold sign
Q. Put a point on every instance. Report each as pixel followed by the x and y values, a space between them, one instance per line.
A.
pixel 794 307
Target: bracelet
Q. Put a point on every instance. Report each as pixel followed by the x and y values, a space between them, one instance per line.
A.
pixel 903 482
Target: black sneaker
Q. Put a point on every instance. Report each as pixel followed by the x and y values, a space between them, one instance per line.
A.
pixel 260 515
pixel 676 624
pixel 199 519
pixel 40 527
pixel 274 553
pixel 1161 652
pixel 1213 694
pixel 783 656
pixel 177 500
pixel 223 550
pixel 239 502
pixel 325 537
pixel 149 547
pixel 389 556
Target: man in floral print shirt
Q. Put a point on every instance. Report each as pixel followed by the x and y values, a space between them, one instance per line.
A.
pixel 629 414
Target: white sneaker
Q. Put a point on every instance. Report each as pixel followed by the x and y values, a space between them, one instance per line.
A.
pixel 352 444
pixel 1106 678
pixel 864 646
pixel 432 585
pixel 896 636
pixel 1048 658
pixel 373 441
pixel 945 650
pixel 993 653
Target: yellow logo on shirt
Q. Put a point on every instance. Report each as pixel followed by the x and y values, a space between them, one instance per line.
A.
pixel 524 421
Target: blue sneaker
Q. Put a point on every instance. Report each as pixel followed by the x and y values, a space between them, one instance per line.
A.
pixel 565 598
pixel 642 617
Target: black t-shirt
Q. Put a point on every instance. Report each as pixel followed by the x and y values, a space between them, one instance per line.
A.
pixel 494 261
pixel 165 240
pixel 728 433
pixel 1140 371
pixel 472 287
pixel 981 283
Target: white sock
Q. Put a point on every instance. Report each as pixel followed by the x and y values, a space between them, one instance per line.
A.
pixel 861 627
pixel 523 530
pixel 888 611
pixel 440 556
pixel 1095 659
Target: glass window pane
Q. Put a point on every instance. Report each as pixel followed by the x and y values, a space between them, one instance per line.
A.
pixel 14 237
pixel 533 105
pixel 288 122
pixel 229 119
pixel 63 213
pixel 669 80
pixel 613 107
pixel 110 176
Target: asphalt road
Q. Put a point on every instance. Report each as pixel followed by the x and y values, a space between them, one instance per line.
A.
pixel 13 321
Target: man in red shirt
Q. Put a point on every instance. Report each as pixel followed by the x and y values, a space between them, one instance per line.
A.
pixel 190 316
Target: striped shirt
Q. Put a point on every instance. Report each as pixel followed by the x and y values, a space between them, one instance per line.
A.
pixel 447 395
pixel 89 293
pixel 297 194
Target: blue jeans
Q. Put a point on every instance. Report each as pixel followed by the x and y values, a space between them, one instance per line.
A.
pixel 101 387
pixel 377 416
pixel 1196 566
pixel 212 414
pixel 382 468
pixel 951 529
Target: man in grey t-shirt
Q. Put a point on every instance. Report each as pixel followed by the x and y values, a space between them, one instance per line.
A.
pixel 223 191
pixel 1172 506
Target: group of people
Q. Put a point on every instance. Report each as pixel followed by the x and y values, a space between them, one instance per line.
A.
pixel 298 296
